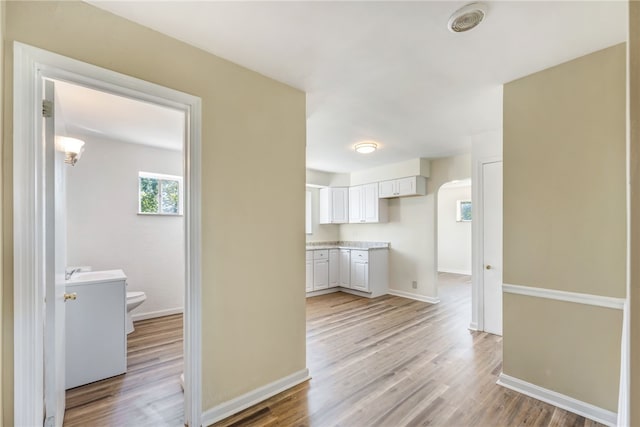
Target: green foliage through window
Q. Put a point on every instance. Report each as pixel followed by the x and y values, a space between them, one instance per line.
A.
pixel 160 194
pixel 464 210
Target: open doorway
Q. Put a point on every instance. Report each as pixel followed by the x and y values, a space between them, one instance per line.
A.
pixel 40 256
pixel 122 220
pixel 455 214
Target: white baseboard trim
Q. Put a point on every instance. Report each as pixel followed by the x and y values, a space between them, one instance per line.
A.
pixel 473 326
pixel 454 271
pixel 416 297
pixel 159 313
pixel 254 397
pixel 562 401
pixel 576 297
pixel 322 292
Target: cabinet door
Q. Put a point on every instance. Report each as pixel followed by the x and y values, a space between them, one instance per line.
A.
pixel 320 274
pixel 324 206
pixel 334 268
pixel 309 283
pixel 360 275
pixel 387 188
pixel 371 203
pixel 355 204
pixel 345 268
pixel 406 186
pixel 340 205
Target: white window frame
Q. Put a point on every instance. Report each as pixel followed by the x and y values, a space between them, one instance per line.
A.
pixel 160 177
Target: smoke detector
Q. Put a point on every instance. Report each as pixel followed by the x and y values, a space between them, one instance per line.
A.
pixel 467 17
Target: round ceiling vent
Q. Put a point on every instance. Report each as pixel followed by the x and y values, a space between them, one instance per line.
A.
pixel 467 17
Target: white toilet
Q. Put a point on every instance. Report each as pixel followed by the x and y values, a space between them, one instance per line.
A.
pixel 134 299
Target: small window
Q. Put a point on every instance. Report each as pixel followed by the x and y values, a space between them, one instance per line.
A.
pixel 159 194
pixel 463 210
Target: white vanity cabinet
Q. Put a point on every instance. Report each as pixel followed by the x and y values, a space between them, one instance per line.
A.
pixel 95 338
pixel 365 206
pixel 410 186
pixel 320 269
pixel 334 205
pixel 309 271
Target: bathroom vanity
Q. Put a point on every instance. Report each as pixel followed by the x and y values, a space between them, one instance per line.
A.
pixel 96 342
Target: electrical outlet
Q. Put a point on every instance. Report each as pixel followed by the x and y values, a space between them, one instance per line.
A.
pixel 414 284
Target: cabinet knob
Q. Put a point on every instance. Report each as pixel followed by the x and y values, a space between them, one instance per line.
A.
pixel 488 267
pixel 72 296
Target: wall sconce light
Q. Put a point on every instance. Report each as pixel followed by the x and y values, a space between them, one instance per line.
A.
pixel 72 148
pixel 366 147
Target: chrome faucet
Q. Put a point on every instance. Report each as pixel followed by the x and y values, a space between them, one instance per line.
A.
pixel 70 272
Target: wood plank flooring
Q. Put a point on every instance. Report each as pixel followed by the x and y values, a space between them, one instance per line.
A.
pixel 387 362
pixel 149 394
pixel 394 362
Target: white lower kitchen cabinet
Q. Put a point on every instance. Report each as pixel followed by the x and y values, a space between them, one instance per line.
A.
pixel 309 271
pixel 334 268
pixel 370 271
pixel 345 268
pixel 320 270
pixel 360 272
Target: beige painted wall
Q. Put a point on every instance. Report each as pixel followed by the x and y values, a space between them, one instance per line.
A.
pixel 564 223
pixel 411 230
pixel 252 127
pixel 570 348
pixel 634 288
pixel 564 176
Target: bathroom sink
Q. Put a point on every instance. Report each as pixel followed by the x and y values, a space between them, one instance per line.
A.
pixel 97 276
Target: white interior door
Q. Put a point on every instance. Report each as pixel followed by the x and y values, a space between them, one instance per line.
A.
pixel 492 246
pixel 55 263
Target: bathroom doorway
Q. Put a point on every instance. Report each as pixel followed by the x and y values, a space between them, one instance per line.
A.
pixel 37 178
pixel 122 216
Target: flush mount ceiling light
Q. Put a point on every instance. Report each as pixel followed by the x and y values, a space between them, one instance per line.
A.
pixel 366 147
pixel 467 17
pixel 72 148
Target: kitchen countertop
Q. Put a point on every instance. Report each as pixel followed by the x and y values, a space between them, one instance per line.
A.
pixel 362 246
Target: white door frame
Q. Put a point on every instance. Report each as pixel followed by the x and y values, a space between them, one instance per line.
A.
pixel 31 65
pixel 477 278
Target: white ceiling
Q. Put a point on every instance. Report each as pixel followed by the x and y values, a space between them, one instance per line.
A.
pixel 388 71
pixel 84 112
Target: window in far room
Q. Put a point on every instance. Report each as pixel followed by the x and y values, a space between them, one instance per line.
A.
pixel 463 210
pixel 159 194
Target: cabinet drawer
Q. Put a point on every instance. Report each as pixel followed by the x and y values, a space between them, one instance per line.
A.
pixel 359 255
pixel 309 255
pixel 321 254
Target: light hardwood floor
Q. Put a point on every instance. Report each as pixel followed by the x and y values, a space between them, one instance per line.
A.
pixel 385 362
pixel 149 394
pixel 394 362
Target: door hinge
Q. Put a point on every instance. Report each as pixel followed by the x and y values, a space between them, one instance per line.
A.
pixel 47 108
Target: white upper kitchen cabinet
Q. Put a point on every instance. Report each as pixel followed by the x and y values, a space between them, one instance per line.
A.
pixel 365 206
pixel 410 186
pixel 334 205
